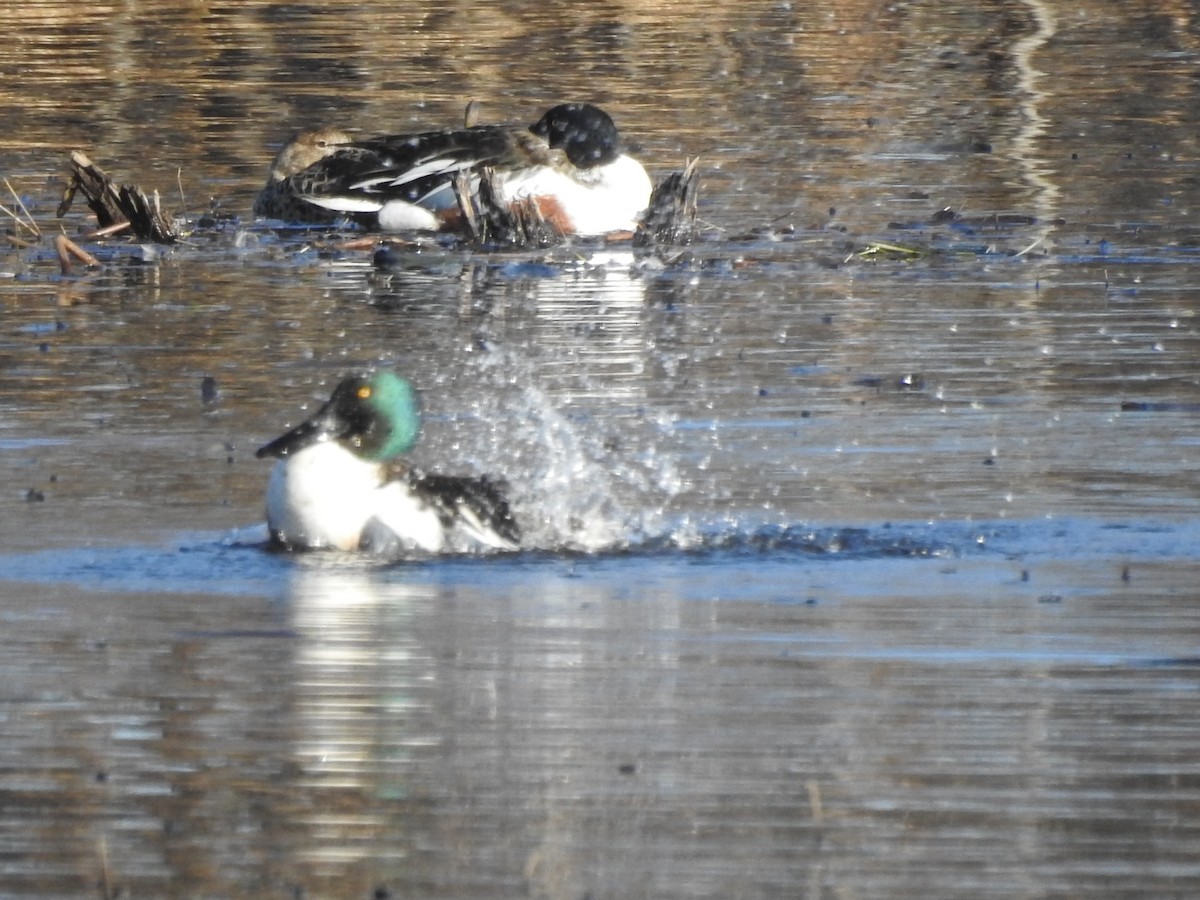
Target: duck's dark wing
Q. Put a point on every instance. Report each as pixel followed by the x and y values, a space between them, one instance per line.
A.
pixel 476 505
pixel 328 174
pixel 414 167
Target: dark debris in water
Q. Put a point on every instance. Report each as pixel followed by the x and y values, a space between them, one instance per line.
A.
pixel 671 216
pixel 1171 662
pixel 115 205
pixel 1145 406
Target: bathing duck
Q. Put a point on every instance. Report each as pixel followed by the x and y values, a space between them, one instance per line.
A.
pixel 339 481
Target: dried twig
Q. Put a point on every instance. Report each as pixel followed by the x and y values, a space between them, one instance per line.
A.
pixel 107 888
pixel 488 219
pixel 29 222
pixel 12 215
pixel 1030 247
pixel 182 199
pixel 107 232
pixel 877 249
pixel 368 242
pixel 466 204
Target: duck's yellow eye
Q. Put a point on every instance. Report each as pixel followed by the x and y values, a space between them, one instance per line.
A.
pixel 364 392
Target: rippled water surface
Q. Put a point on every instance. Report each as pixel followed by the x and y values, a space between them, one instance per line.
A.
pixel 861 534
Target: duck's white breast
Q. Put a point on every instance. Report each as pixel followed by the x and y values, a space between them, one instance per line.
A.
pixel 322 496
pixel 598 201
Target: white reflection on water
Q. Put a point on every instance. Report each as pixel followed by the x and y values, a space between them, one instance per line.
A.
pixel 1031 86
pixel 356 667
pixel 345 672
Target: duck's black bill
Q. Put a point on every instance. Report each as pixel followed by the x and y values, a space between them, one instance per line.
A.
pixel 322 425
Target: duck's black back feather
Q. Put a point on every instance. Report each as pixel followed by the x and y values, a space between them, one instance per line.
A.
pixel 412 166
pixel 480 498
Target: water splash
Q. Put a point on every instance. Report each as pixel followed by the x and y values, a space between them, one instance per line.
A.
pixel 575 488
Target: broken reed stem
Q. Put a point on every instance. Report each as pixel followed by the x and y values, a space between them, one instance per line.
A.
pixel 105 885
pixel 67 248
pixel 112 203
pixel 33 225
pixel 1030 247
pixel 360 243
pixel 12 215
pixel 106 232
pixel 471 114
pixel 814 800
pixel 182 198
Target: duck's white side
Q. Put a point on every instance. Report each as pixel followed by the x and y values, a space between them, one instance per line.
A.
pixel 597 201
pixel 325 496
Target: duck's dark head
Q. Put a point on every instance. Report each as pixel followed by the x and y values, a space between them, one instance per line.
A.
pixel 375 415
pixel 585 133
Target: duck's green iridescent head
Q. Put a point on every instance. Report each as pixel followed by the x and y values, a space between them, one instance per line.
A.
pixel 375 415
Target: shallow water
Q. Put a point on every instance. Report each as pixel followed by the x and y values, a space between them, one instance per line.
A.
pixel 850 572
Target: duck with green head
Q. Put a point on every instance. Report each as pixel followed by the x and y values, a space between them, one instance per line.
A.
pixel 340 483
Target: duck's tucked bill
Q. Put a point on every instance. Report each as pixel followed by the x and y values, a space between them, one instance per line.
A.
pixel 340 482
pixel 569 165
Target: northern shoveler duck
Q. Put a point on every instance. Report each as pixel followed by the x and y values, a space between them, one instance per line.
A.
pixel 569 165
pixel 339 482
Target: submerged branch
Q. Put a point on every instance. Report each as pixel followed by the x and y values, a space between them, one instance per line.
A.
pixel 68 249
